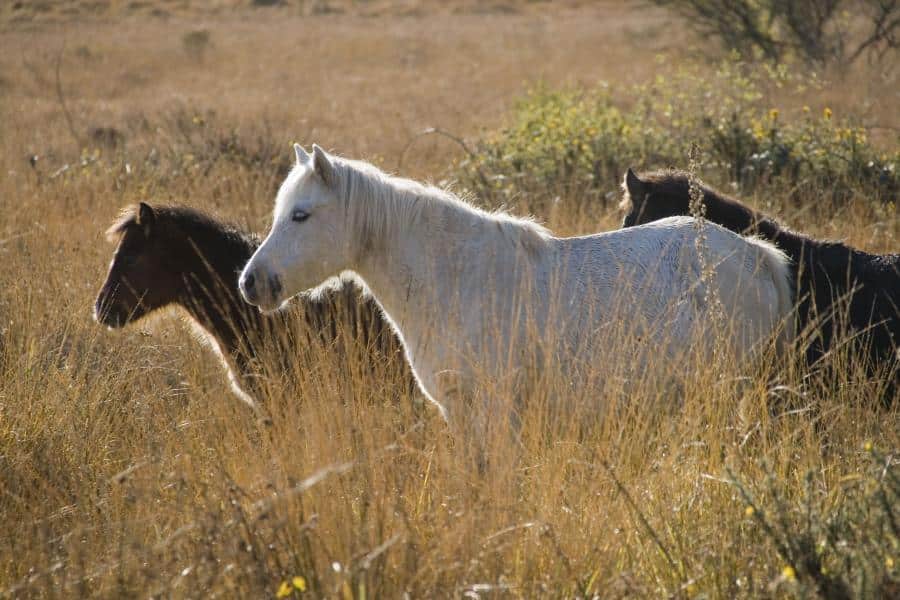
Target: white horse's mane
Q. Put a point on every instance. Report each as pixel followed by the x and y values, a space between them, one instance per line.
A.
pixel 395 202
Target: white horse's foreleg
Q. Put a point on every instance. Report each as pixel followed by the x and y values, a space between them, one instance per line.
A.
pixel 473 417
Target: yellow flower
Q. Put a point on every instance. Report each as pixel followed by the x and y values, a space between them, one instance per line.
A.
pixel 826 113
pixel 889 562
pixel 806 109
pixel 758 131
pixel 691 589
pixel 789 573
pixel 284 590
pixel 749 511
pixel 773 114
pixel 867 446
pixel 299 583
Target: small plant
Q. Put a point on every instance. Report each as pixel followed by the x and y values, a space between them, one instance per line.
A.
pixel 196 43
pixel 836 547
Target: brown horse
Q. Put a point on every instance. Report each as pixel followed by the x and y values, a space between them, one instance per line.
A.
pixel 177 256
pixel 834 281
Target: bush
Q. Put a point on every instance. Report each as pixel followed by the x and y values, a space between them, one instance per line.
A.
pixel 184 143
pixel 578 142
pixel 196 43
pixel 833 544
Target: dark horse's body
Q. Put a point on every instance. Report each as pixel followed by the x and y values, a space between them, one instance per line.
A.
pixel 836 284
pixel 171 255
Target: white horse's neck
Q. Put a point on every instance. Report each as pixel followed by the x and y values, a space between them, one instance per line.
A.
pixel 399 266
pixel 422 252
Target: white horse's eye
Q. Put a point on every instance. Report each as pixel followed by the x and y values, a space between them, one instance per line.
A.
pixel 298 216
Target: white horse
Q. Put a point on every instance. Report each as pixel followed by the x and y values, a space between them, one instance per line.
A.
pixel 475 295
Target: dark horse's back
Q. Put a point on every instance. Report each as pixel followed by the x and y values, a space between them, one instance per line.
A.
pixel 342 320
pixel 269 348
pixel 858 290
pixel 345 312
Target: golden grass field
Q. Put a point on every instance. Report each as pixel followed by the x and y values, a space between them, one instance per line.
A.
pixel 127 468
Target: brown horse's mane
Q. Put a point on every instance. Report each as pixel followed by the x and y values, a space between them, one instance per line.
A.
pixel 189 219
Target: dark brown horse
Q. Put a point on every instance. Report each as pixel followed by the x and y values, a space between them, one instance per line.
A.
pixel 177 256
pixel 836 284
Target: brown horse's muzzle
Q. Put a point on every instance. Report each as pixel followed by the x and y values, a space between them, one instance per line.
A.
pixel 109 310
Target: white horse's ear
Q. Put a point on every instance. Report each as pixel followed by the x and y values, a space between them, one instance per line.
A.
pixel 302 156
pixel 323 166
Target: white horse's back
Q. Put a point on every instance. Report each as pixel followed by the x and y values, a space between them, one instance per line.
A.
pixel 680 282
pixel 667 289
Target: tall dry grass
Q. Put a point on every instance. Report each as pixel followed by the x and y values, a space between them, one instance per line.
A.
pixel 128 469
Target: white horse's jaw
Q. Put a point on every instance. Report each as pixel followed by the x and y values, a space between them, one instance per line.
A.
pixel 268 306
pixel 269 309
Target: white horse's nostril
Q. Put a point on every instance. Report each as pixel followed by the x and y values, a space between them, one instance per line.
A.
pixel 274 286
pixel 248 287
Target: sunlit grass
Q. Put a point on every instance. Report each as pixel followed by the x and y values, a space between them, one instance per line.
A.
pixel 127 468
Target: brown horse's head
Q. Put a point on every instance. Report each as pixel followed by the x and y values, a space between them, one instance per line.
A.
pixel 659 194
pixel 654 196
pixel 144 273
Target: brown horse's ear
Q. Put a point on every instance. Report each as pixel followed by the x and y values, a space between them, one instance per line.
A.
pixel 145 218
pixel 634 186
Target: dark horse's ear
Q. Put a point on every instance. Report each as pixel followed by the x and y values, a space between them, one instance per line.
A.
pixel 635 187
pixel 145 218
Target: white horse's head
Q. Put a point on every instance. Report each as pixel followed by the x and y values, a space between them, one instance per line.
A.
pixel 308 242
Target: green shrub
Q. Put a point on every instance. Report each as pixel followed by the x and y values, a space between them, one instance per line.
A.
pixel 578 142
pixel 840 543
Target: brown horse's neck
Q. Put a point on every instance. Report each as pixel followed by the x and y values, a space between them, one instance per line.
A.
pixel 741 219
pixel 210 293
pixel 734 216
